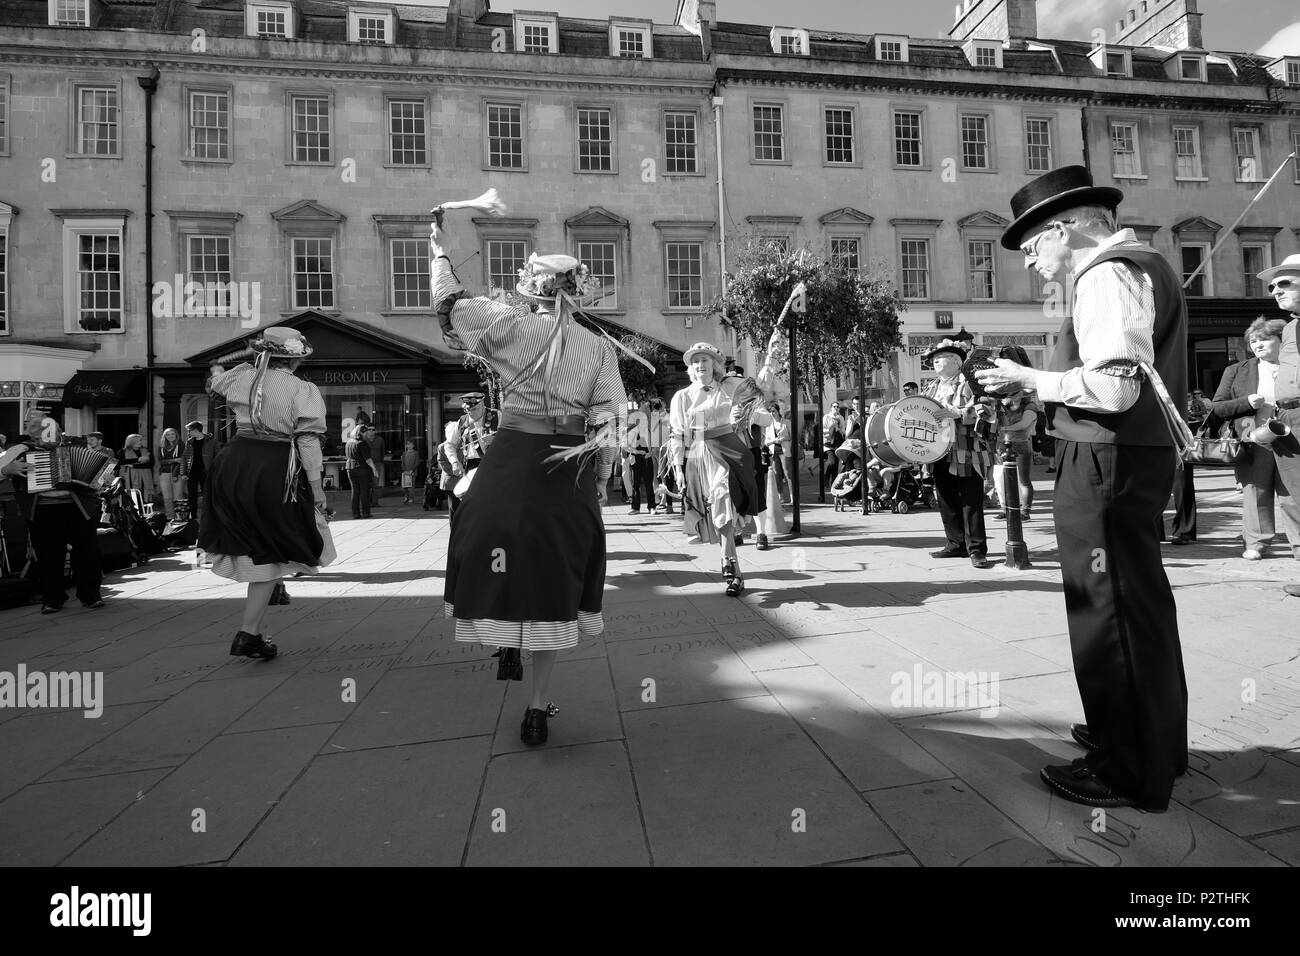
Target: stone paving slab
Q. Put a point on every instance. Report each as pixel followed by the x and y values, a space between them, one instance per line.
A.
pixel 39 743
pixel 554 807
pixel 392 806
pixel 724 785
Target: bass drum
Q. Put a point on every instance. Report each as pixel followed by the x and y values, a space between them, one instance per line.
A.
pixel 909 432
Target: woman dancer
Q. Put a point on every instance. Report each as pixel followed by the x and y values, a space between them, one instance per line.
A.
pixel 264 508
pixel 711 456
pixel 526 557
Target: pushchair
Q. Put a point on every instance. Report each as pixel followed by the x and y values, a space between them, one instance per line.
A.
pixel 123 512
pixel 910 488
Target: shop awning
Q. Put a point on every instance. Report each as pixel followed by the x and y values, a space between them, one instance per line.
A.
pixel 124 389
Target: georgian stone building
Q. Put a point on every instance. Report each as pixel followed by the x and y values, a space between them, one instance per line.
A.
pixel 297 146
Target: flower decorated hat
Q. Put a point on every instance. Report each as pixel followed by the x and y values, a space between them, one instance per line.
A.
pixel 280 341
pixel 947 345
pixel 705 348
pixel 545 277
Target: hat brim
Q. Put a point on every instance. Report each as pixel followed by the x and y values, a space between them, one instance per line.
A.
pixel 278 351
pixel 1269 274
pixel 951 349
pixel 1107 196
pixel 690 354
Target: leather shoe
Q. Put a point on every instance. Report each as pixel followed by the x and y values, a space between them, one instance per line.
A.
pixel 1083 736
pixel 252 645
pixel 533 729
pixel 762 544
pixel 1079 783
pixel 1180 539
pixel 980 561
pixel 950 552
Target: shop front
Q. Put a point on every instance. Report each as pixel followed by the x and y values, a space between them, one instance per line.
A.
pixel 110 402
pixel 406 389
pixel 33 374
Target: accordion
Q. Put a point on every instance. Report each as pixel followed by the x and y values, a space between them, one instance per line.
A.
pixel 68 465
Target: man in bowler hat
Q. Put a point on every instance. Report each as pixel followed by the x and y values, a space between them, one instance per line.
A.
pixel 1115 392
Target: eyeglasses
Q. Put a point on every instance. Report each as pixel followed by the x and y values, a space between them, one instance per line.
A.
pixel 469 404
pixel 1280 284
pixel 1030 248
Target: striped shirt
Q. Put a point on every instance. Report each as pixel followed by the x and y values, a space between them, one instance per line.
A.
pixel 290 406
pixel 1114 316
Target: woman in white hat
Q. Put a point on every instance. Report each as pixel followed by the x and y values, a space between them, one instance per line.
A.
pixel 711 455
pixel 526 557
pixel 263 505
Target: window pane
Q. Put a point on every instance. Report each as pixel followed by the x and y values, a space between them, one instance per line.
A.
pixel 1192 256
pixel 372 29
pixel 916 268
pixel 313 273
pixel 406 133
pixel 975 142
pixel 631 43
pixel 272 23
pixel 1187 150
pixel 209 126
pixel 1245 143
pixel 311 129
pixel 1123 139
pixel 505 259
pixel 595 140
pixel 839 136
pixel 979 264
pixel 537 38
pixel 1254 260
pixel 409 267
pixel 599 257
pixel 505 137
pixel 1038 143
pixel 769 136
pixel 891 50
pixel 846 252
pixel 907 139
pixel 208 264
pixel 679 142
pixel 97 126
pixel 99 282
pixel 685 274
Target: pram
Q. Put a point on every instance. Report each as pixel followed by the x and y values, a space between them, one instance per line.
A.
pixel 908 489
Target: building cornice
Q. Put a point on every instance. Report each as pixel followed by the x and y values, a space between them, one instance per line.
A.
pixel 903 84
pixel 396 73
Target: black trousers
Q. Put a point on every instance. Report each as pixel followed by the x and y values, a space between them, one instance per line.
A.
pixel 361 479
pixel 1184 505
pixel 832 465
pixel 643 476
pixel 961 505
pixel 194 485
pixel 1128 661
pixel 55 527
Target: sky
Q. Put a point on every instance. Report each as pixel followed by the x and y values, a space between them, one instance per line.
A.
pixel 1236 26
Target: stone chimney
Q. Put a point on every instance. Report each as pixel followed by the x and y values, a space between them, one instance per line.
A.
pixel 697 16
pixel 1171 23
pixel 463 11
pixel 995 20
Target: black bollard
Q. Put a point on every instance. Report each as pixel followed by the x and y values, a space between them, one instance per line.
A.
pixel 1017 550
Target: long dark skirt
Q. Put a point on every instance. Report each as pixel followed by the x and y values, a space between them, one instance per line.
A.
pixel 526 559
pixel 244 512
pixel 742 487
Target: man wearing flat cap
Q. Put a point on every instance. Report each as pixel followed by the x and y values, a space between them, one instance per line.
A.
pixel 475 428
pixel 1284 285
pixel 1114 393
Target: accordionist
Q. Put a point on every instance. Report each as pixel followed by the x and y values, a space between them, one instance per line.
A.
pixel 58 519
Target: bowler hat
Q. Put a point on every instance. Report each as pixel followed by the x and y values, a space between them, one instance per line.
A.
pixel 1290 266
pixel 1064 188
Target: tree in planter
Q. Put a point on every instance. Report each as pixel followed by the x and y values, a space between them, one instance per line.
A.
pixel 850 319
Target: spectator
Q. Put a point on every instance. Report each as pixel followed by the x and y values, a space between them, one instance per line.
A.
pixel 410 461
pixel 171 462
pixel 377 452
pixel 360 473
pixel 137 466
pixel 200 449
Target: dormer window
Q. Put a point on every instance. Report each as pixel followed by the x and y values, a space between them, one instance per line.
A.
pixel 1286 69
pixel 790 41
pixel 371 26
pixel 985 54
pixel 537 33
pixel 891 49
pixel 1191 68
pixel 271 19
pixel 1113 62
pixel 69 13
pixel 631 38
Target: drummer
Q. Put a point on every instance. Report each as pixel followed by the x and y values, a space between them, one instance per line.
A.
pixel 959 475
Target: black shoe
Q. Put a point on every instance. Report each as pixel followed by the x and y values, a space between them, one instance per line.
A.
pixel 510 664
pixel 93 605
pixel 1000 516
pixel 1079 783
pixel 1180 539
pixel 533 729
pixel 950 552
pixel 980 561
pixel 51 608
pixel 1083 736
pixel 252 645
pixel 762 544
pixel 735 580
pixel 279 596
pixel 740 539
pixel 1024 516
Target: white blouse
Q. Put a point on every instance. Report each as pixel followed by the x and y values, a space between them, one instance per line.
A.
pixel 1267 390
